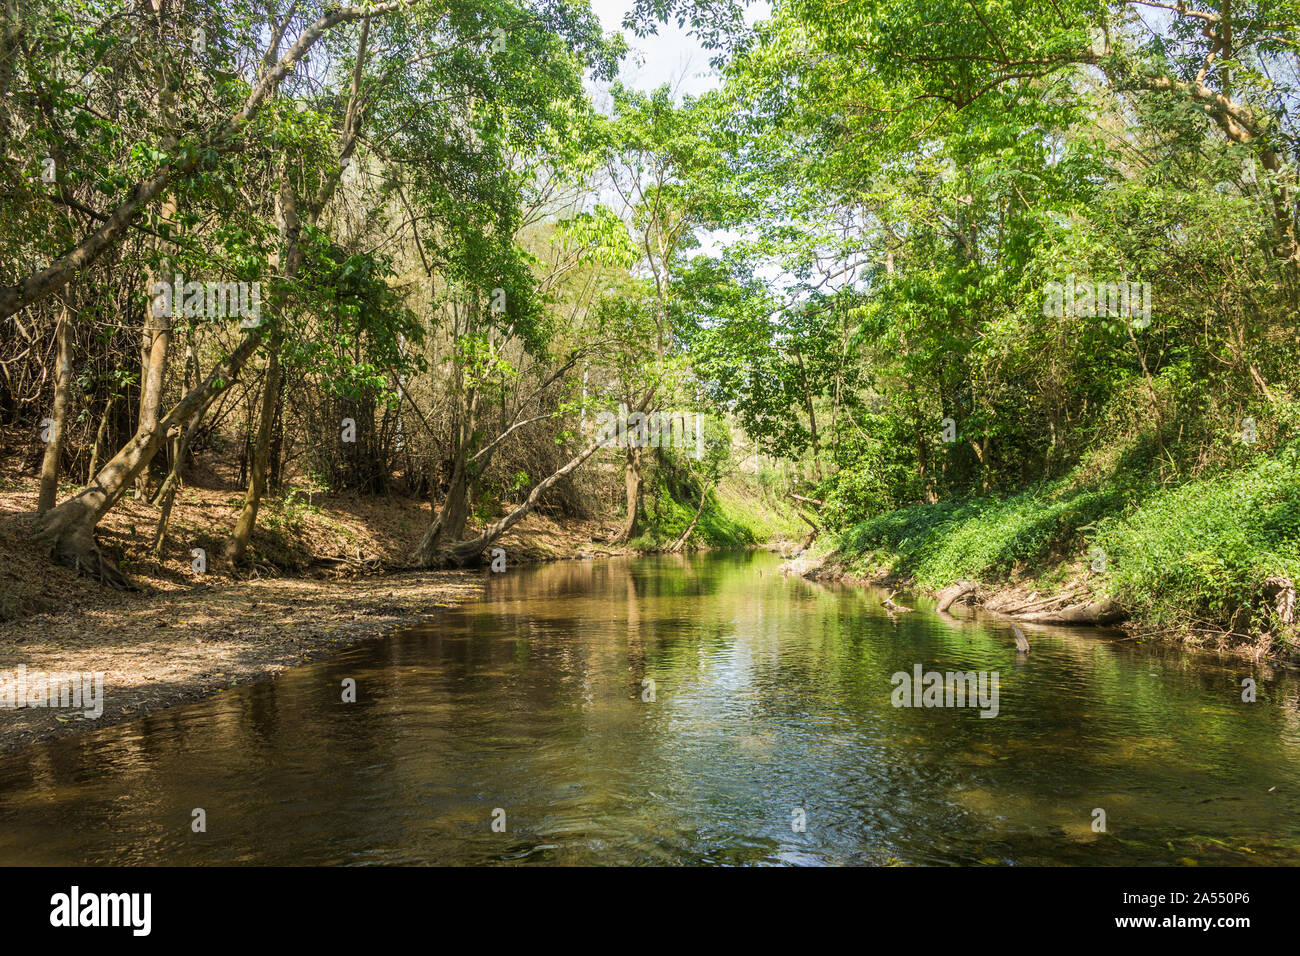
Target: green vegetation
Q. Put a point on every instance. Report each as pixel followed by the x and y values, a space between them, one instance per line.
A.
pixel 1199 555
pixel 736 514
pixel 1014 281
pixel 1194 557
pixel 995 284
pixel 982 539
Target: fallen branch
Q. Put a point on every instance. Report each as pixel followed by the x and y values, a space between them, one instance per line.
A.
pixel 808 501
pixel 891 607
pixel 1104 611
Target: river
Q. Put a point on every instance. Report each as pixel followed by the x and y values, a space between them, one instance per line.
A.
pixel 686 710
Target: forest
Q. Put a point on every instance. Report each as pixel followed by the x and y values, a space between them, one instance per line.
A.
pixel 1001 293
pixel 648 433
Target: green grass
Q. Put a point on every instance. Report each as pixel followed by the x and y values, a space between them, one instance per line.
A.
pixel 737 514
pixel 984 539
pixel 1193 556
pixel 1198 555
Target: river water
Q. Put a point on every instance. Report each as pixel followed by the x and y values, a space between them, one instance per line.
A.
pixel 678 710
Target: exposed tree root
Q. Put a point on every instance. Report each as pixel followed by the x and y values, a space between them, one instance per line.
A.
pixel 1073 605
pixel 954 592
pixel 1100 612
pixel 71 543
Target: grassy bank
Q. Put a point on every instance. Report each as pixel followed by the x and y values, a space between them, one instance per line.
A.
pixel 740 511
pixel 1190 562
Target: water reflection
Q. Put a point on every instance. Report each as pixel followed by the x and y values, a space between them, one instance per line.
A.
pixel 770 695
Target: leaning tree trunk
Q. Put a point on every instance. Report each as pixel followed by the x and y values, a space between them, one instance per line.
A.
pixel 466 552
pixel 62 386
pixel 680 543
pixel 69 529
pixel 955 592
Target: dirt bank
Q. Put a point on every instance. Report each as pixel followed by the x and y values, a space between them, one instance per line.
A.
pixel 184 645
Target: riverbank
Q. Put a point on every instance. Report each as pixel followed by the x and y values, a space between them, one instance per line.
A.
pixel 1210 563
pixel 165 649
pixel 767 688
pixel 184 636
pixel 316 583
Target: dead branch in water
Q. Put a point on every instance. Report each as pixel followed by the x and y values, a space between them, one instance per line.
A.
pixel 1022 642
pixel 891 607
pixel 954 592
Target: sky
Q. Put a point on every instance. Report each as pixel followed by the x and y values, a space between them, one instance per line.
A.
pixel 671 56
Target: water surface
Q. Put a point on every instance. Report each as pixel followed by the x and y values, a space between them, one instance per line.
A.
pixel 771 703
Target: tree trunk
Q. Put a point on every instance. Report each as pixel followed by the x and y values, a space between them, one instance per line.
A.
pixel 812 418
pixel 464 552
pixel 954 592
pixel 154 350
pixel 287 208
pixel 632 481
pixel 69 529
pixel 237 545
pixel 101 438
pixel 680 543
pixel 452 517
pixel 62 386
pixel 1280 592
pixel 167 494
